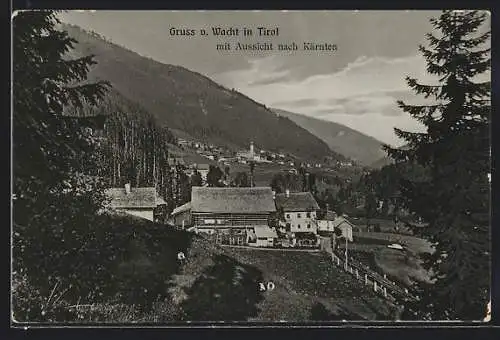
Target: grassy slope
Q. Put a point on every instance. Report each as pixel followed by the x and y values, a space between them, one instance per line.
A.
pixel 404 266
pixel 216 283
pixel 305 279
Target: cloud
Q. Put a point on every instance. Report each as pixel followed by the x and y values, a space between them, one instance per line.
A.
pixel 305 102
pixel 367 87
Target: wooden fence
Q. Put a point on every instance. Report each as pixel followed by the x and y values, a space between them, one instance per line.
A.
pixel 380 284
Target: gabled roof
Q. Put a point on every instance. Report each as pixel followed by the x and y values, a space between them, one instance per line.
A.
pixel 341 220
pixel 182 208
pixel 296 201
pixel 232 200
pixel 265 232
pixel 137 198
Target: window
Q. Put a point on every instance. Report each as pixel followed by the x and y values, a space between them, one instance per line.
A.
pixel 308 214
pixel 288 227
pixel 298 226
pixel 209 221
pixel 308 226
pixel 287 215
pixel 298 215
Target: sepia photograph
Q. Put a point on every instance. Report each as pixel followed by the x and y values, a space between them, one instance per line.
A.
pixel 250 167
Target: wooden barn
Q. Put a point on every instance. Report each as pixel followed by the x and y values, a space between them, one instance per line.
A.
pixel 230 214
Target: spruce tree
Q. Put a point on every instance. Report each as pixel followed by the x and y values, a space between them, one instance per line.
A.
pixel 55 196
pixel 454 195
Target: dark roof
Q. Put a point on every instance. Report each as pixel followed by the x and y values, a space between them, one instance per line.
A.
pixel 232 200
pixel 296 201
pixel 137 198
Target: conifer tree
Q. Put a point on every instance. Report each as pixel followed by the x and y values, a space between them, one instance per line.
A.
pixel 55 195
pixel 454 195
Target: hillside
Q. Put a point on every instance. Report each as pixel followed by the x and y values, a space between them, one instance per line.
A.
pixel 346 141
pixel 190 102
pixel 145 282
pixel 381 162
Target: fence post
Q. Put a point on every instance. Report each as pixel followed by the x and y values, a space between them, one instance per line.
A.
pixel 374 285
pixel 366 279
pixel 338 261
pixel 357 274
pixel 406 290
pixel 385 276
pixel 385 291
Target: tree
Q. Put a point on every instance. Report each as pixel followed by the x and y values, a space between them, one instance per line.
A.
pixel 214 176
pixel 241 180
pixel 453 195
pixel 58 194
pixel 370 207
pixel 196 180
pixel 252 169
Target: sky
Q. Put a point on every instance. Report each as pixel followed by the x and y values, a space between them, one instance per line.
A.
pixel 357 85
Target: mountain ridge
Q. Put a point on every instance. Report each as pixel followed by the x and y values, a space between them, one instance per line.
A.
pixel 191 102
pixel 340 138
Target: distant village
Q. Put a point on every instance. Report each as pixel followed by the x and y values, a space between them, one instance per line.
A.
pixel 226 156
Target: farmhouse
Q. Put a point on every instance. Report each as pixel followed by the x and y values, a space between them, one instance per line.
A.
pixel 231 213
pixel 331 221
pixel 299 213
pixel 140 202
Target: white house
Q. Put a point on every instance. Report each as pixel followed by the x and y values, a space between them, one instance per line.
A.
pixel 139 202
pixel 299 211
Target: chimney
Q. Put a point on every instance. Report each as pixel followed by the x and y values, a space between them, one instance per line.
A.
pixel 127 188
pixel 251 149
pixel 287 193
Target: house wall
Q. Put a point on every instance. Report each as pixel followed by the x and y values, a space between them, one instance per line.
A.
pixel 203 174
pixel 299 221
pixel 146 213
pixel 264 242
pixel 182 219
pixel 346 230
pixel 214 220
pixel 324 225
